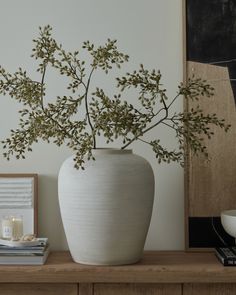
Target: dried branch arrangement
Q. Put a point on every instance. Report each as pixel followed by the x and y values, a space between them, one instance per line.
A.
pixel 112 117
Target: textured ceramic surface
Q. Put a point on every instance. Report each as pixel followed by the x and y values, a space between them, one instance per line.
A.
pixel 228 220
pixel 106 208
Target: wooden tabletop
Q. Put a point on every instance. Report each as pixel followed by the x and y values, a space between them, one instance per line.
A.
pixel 155 267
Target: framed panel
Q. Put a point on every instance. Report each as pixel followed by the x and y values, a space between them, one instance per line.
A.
pixel 19 196
pixel 39 289
pixel 210 186
pixel 137 289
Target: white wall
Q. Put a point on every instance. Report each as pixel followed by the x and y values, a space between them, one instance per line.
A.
pixel 150 32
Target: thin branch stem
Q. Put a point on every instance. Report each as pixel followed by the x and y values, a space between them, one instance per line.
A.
pixel 168 125
pixel 149 128
pixel 157 113
pixel 75 73
pixel 47 113
pixel 174 99
pixel 144 141
pixel 87 108
pixel 42 85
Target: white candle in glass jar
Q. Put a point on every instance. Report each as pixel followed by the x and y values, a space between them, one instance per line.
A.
pixel 7 227
pixel 12 227
pixel 17 229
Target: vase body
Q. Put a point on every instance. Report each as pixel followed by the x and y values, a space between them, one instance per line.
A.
pixel 106 208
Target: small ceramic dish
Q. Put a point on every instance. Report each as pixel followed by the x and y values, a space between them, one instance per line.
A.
pixel 228 221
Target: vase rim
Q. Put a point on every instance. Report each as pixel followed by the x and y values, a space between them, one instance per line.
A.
pixel 101 151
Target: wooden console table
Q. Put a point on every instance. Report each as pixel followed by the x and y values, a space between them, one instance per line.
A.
pixel 161 273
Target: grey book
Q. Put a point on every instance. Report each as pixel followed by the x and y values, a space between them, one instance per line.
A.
pixel 25 259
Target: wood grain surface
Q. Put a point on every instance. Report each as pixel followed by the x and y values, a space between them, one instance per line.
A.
pixel 38 289
pixel 209 289
pixel 85 289
pixel 211 187
pixel 137 289
pixel 155 267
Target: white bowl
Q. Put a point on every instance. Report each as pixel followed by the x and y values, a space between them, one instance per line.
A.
pixel 228 221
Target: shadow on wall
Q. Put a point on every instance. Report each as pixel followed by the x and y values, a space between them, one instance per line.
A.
pixel 49 218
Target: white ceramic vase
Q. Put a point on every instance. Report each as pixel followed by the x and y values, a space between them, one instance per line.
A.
pixel 106 208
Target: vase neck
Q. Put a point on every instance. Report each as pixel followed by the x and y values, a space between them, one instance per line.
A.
pixel 109 151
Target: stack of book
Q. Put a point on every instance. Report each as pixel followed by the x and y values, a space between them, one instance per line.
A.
pixel 25 253
pixel 226 255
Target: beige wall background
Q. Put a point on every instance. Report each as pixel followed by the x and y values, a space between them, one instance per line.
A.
pixel 150 31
